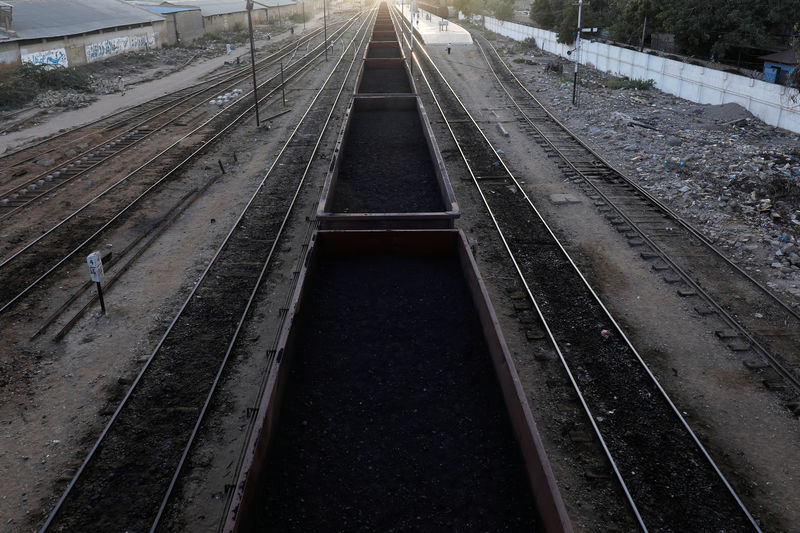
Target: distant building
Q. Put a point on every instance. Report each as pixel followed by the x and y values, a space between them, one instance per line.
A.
pixel 778 66
pixel 184 24
pixel 55 32
pixel 226 15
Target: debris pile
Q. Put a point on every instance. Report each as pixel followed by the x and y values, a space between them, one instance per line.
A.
pixel 64 98
pixel 733 177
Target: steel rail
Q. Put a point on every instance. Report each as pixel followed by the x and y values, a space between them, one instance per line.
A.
pixel 312 224
pixel 242 71
pixel 684 224
pixel 311 56
pixel 512 257
pixel 268 260
pixel 177 103
pixel 540 314
pixel 177 317
pixel 783 370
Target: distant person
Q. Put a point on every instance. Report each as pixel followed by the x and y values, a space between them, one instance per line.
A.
pixel 121 84
pixel 449 46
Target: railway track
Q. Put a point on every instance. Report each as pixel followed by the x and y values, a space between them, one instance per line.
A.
pixel 128 477
pixel 394 451
pixel 669 479
pixel 102 137
pixel 676 250
pixel 109 139
pixel 46 253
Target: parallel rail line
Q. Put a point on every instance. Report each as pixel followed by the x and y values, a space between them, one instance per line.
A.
pixel 149 118
pixel 668 241
pixel 669 479
pixel 129 119
pixel 25 269
pixel 128 477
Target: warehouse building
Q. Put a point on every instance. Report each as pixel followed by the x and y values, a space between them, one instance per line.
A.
pixel 184 24
pixel 55 32
pixel 229 15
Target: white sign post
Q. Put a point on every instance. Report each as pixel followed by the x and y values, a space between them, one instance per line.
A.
pixel 96 273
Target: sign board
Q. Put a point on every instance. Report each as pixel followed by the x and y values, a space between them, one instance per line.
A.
pixel 95 266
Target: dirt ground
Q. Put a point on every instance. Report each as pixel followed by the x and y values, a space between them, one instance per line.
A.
pixel 719 167
pixel 746 428
pixel 146 75
pixel 62 393
pixel 58 396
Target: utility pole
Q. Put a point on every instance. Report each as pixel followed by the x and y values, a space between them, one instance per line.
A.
pixel 304 16
pixel 325 23
pixel 577 53
pixel 644 26
pixel 253 57
pixel 411 51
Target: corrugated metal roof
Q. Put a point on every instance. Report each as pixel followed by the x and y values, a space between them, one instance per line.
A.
pixel 165 9
pixel 222 7
pixel 786 57
pixel 275 3
pixel 39 19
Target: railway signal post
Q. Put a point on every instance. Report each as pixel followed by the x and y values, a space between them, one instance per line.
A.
pixel 96 273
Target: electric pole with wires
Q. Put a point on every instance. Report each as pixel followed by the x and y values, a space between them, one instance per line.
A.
pixel 576 53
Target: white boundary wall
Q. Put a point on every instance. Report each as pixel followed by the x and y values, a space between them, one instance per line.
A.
pixel 770 102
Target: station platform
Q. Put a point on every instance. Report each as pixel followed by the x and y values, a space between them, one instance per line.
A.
pixel 434 29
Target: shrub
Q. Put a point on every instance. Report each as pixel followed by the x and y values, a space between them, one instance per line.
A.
pixel 19 87
pixel 225 37
pixel 627 83
pixel 56 77
pixel 297 18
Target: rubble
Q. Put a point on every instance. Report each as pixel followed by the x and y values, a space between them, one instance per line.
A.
pixel 733 177
pixel 65 98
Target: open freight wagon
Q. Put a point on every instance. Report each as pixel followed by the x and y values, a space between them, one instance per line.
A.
pixel 386 170
pixel 392 401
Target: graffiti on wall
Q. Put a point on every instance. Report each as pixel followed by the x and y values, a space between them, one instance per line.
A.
pixel 118 45
pixel 47 57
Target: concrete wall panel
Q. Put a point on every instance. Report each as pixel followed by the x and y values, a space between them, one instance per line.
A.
pixel 51 56
pixel 188 26
pixel 771 103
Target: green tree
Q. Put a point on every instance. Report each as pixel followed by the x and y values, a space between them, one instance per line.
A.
pixel 713 27
pixel 594 14
pixel 469 7
pixel 568 23
pixel 503 9
pixel 629 17
pixel 543 14
pixel 695 24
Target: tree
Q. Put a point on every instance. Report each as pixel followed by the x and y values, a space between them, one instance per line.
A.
pixel 594 14
pixel 713 27
pixel 629 17
pixel 567 24
pixel 503 9
pixel 469 7
pixel 542 13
